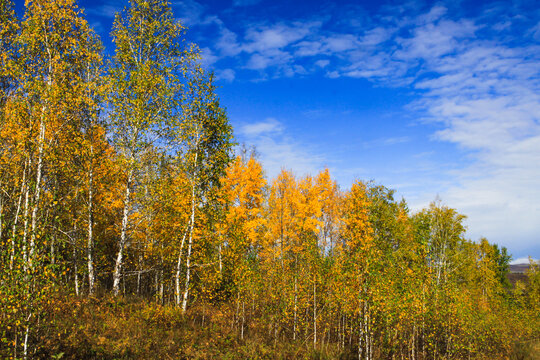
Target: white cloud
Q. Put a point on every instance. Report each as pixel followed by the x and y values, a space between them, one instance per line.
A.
pixel 193 13
pixel 389 141
pixel 106 10
pixel 190 11
pixel 486 95
pixel 322 63
pixel 260 128
pixel 207 57
pixel 434 14
pixel 259 61
pixel 434 40
pixel 480 85
pixel 535 31
pixel 340 42
pixel 278 150
pixel 376 36
pixel 522 260
pixel 225 74
pixel 227 43
pixel 264 38
pixel 309 48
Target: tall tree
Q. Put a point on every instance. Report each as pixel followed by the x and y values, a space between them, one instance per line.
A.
pixel 205 154
pixel 358 257
pixel 41 113
pixel 147 77
pixel 243 192
pixel 9 27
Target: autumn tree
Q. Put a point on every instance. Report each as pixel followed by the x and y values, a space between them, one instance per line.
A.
pixel 204 155
pixel 49 55
pixel 146 78
pixel 358 257
pixel 243 193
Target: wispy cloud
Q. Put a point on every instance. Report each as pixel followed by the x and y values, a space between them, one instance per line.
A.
pixel 266 127
pixel 225 74
pixel 227 43
pixel 486 95
pixel 208 57
pixel 278 150
pixel 105 10
pixel 477 78
pixel 389 141
pixel 193 13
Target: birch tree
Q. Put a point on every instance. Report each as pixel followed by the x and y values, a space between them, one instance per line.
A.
pixel 146 78
pixel 207 141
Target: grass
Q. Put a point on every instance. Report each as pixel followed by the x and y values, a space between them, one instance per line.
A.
pixel 133 328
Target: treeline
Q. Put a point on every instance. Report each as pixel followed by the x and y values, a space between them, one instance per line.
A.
pixel 117 179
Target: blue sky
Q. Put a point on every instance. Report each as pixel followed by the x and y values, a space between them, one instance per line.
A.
pixel 428 98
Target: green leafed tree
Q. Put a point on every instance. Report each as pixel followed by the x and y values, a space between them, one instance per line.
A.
pixel 206 138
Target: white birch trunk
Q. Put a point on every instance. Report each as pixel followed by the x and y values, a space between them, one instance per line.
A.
pixel 220 261
pixel 179 268
pixel 37 192
pixel 1 215
pixel 295 307
pixel 315 314
pixel 190 243
pixel 90 243
pixel 123 237
pixel 25 228
pixel 243 320
pixel 16 220
pixel 53 249
pixel 75 269
pixel 161 289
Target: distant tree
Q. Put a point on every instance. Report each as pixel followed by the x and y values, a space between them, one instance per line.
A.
pixel 502 259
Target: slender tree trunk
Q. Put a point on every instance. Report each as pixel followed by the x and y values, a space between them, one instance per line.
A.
pixel 423 324
pixel 156 285
pixel 190 243
pixel 243 320
pixel 220 262
pixel 75 269
pixel 366 331
pixel 123 236
pixel 90 243
pixel 26 333
pixel 139 276
pixel 360 338
pixel 295 306
pixel 236 316
pixel 25 228
pixel 314 314
pixel 161 288
pixel 37 191
pixel 338 331
pixel 1 215
pixel 413 345
pixel 342 331
pixel 179 267
pixel 16 220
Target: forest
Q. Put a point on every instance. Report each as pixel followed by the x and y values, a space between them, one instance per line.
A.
pixel 133 227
